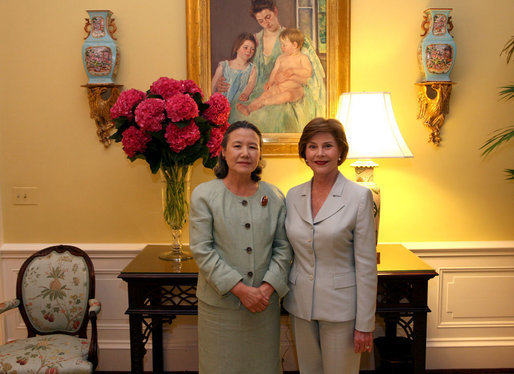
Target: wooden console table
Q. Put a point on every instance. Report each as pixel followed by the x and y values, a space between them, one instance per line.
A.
pixel 160 290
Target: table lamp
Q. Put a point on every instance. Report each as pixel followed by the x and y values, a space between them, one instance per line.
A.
pixel 372 132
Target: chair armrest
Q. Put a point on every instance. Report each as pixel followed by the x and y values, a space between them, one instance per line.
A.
pixel 94 306
pixel 8 305
pixel 94 309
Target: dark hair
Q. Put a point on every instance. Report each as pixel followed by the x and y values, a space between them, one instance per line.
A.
pixel 319 125
pixel 260 5
pixel 241 38
pixel 221 169
pixel 294 36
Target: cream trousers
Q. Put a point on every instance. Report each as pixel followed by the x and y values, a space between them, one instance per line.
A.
pixel 325 347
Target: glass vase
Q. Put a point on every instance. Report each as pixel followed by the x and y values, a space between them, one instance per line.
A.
pixel 175 204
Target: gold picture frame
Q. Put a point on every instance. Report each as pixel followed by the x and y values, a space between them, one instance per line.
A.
pixel 338 63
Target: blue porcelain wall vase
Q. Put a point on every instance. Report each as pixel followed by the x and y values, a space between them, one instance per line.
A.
pixel 437 50
pixel 100 52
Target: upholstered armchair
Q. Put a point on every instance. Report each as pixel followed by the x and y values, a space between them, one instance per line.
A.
pixel 55 293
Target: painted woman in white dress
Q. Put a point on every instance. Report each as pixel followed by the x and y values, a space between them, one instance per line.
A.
pixel 287 117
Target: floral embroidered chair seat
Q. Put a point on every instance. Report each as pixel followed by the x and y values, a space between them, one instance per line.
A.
pixel 55 295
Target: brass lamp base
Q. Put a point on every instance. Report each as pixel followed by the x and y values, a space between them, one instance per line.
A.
pixel 364 176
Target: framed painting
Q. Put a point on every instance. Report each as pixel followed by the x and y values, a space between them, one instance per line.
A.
pixel 213 28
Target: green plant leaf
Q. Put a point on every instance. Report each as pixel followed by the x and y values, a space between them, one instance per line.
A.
pixel 210 162
pixel 500 136
pixel 507 92
pixel 508 49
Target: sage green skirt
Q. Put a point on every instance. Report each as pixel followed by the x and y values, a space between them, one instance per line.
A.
pixel 239 341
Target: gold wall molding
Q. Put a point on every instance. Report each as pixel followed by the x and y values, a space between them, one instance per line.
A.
pixel 434 105
pixel 101 99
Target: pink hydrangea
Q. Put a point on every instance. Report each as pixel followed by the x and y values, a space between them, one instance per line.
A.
pixel 134 141
pixel 179 138
pixel 166 87
pixel 189 86
pixel 150 114
pixel 181 107
pixel 214 143
pixel 126 102
pixel 219 109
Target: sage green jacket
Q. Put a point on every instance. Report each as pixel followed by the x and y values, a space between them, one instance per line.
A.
pixel 236 238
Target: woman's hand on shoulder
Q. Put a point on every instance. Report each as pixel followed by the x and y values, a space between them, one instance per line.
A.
pixel 222 85
pixel 362 341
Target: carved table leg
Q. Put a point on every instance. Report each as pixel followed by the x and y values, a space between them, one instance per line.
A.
pixel 137 347
pixel 419 342
pixel 157 349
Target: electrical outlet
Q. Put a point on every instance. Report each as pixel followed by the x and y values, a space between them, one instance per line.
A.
pixel 25 196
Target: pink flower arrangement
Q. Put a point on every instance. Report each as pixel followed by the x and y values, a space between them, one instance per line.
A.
pixel 214 143
pixel 165 87
pixel 179 138
pixel 125 104
pixel 134 141
pixel 217 111
pixel 170 125
pixel 150 114
pixel 180 107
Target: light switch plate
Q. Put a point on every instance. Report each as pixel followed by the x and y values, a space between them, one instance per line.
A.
pixel 25 195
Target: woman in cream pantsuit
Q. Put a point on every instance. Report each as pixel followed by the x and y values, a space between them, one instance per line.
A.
pixel 239 242
pixel 333 281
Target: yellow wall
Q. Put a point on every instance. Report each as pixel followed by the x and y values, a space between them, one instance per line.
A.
pixel 89 194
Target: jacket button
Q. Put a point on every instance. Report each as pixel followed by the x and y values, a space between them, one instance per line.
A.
pixel 249 249
pixel 250 274
pixel 247 225
pixel 244 202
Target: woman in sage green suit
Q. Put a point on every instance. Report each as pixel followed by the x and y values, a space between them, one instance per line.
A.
pixel 238 240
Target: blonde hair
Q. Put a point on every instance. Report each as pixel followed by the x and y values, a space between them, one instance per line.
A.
pixel 294 36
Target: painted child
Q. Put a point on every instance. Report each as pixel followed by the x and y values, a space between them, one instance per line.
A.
pixel 290 73
pixel 240 73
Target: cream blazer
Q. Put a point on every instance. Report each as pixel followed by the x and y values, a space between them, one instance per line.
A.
pixel 334 272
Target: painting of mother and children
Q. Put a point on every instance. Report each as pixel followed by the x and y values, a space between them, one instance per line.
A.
pixel 268 58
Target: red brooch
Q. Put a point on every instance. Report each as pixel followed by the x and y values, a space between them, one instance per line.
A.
pixel 264 200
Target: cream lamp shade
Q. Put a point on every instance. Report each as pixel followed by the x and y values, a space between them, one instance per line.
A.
pixel 372 132
pixel 370 126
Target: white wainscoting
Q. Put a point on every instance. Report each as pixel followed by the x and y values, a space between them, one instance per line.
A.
pixel 472 303
pixel 471 324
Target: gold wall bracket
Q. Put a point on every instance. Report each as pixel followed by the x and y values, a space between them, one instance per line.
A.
pixel 434 105
pixel 101 99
